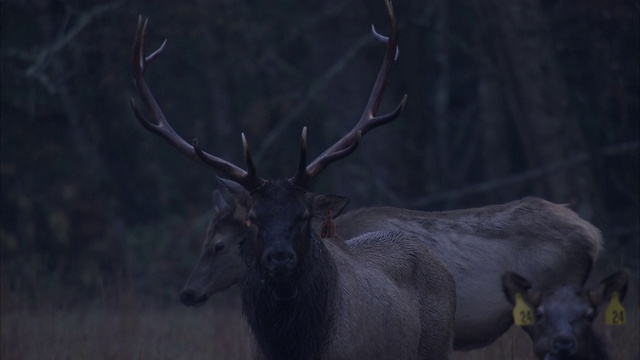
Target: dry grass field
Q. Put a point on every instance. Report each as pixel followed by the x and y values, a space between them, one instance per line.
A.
pixel 132 328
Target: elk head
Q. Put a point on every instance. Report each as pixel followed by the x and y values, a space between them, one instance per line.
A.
pixel 278 211
pixel 563 317
pixel 279 223
pixel 220 255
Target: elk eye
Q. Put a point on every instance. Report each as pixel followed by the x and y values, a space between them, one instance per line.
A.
pixel 219 247
pixel 590 313
pixel 539 313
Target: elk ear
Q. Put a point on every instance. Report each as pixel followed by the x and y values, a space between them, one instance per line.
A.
pixel 322 204
pixel 616 282
pixel 219 203
pixel 513 283
pixel 238 192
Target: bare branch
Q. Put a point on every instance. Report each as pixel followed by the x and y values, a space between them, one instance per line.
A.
pixel 529 175
pixel 315 88
pixel 40 56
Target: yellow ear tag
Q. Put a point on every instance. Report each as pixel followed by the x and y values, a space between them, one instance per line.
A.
pixel 614 314
pixel 522 313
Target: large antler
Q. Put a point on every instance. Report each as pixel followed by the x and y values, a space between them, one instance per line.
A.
pixel 161 127
pixel 368 121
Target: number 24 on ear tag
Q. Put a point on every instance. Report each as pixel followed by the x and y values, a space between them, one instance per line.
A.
pixel 522 312
pixel 614 314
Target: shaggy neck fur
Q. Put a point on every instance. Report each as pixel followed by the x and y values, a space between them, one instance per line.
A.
pixel 292 318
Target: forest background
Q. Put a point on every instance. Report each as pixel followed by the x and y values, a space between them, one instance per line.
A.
pixel 506 99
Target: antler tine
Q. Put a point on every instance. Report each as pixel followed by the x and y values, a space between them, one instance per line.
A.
pixel 300 178
pixel 385 40
pixel 368 120
pixel 251 167
pixel 161 127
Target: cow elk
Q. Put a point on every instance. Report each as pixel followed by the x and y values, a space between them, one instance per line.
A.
pixel 546 242
pixel 382 295
pixel 563 316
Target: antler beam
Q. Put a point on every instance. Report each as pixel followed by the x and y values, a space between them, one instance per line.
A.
pixel 348 143
pixel 161 127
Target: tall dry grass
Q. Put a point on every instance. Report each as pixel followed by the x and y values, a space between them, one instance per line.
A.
pixel 127 329
pixel 132 327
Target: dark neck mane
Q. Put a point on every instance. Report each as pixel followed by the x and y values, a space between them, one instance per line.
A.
pixel 296 319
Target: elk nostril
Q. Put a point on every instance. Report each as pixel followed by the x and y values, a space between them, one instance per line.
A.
pixel 281 261
pixel 564 345
pixel 288 258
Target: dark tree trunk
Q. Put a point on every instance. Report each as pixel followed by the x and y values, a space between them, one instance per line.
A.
pixel 539 103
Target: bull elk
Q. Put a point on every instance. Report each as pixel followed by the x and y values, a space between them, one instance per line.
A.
pixel 562 328
pixel 548 243
pixel 382 295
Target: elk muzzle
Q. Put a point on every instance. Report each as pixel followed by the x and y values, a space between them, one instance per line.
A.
pixel 279 261
pixel 564 346
pixel 191 297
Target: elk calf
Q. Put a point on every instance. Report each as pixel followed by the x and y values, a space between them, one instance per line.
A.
pixel 563 317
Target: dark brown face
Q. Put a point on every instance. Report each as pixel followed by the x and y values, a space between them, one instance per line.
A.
pixel 562 324
pixel 279 220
